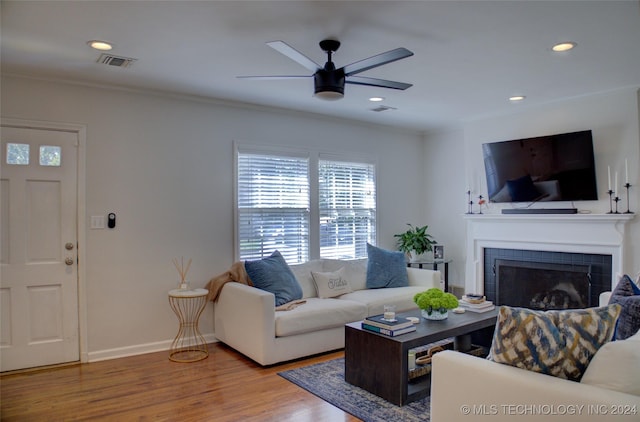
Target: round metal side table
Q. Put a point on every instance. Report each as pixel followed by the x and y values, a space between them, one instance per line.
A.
pixel 189 345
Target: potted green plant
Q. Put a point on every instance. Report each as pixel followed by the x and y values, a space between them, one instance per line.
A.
pixel 415 241
pixel 435 304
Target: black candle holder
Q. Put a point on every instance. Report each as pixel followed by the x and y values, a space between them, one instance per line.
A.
pixel 610 192
pixel 480 202
pixel 627 186
pixel 616 200
pixel 469 202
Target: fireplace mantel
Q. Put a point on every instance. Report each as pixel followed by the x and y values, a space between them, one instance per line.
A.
pixel 586 233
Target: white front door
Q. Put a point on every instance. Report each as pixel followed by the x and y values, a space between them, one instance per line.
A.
pixel 39 283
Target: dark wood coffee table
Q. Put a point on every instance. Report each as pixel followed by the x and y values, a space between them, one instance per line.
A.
pixel 379 363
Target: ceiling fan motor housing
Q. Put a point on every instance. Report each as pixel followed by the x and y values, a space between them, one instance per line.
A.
pixel 329 84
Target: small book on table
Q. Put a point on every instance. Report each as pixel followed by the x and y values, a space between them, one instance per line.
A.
pixel 396 324
pixel 386 332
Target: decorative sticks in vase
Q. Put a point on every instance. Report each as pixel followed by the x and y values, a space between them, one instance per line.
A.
pixel 182 270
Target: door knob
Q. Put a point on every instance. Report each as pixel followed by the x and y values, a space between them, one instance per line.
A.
pixel 68 246
pixel 68 261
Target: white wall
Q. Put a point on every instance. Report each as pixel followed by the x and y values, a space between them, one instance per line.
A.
pixel 614 119
pixel 445 198
pixel 164 165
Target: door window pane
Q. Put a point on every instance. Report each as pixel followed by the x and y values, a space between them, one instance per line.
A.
pixel 50 155
pixel 18 154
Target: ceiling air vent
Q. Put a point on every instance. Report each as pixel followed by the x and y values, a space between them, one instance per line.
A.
pixel 383 108
pixel 116 61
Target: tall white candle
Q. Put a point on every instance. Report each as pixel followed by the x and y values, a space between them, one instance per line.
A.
pixel 616 185
pixel 609 176
pixel 475 271
pixel 474 182
pixel 626 171
pixel 479 274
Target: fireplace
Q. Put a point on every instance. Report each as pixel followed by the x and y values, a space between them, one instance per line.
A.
pixel 545 280
pixel 594 241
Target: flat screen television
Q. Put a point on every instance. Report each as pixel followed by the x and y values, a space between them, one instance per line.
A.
pixel 546 168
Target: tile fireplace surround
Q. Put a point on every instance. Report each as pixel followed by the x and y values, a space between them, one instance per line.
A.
pixel 582 233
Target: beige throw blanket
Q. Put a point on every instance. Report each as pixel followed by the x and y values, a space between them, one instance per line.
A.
pixel 238 274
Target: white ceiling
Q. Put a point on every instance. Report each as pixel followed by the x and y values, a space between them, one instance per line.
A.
pixel 469 56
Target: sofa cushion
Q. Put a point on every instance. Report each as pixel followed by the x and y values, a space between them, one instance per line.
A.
pixel 318 314
pixel 274 275
pixel 385 268
pixel 375 299
pixel 558 343
pixel 303 275
pixel 616 366
pixel 355 270
pixel 331 284
pixel 627 294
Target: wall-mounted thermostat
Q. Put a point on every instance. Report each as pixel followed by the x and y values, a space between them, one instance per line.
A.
pixel 111 220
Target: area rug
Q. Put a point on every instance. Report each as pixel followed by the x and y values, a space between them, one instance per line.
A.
pixel 326 380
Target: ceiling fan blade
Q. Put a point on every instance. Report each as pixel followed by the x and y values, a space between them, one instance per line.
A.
pixel 383 83
pixel 275 77
pixel 294 55
pixel 378 60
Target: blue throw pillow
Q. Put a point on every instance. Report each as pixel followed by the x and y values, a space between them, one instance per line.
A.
pixel 274 275
pixel 522 189
pixel 385 268
pixel 627 294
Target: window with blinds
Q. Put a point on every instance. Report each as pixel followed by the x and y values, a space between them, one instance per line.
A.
pixel 347 208
pixel 273 206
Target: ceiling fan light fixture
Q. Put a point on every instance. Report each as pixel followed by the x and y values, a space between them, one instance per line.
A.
pixel 329 85
pixel 329 95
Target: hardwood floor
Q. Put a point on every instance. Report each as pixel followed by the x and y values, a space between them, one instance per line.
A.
pixel 224 387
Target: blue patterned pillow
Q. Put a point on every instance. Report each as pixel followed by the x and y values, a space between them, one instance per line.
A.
pixel 274 275
pixel 627 294
pixel 558 343
pixel 385 268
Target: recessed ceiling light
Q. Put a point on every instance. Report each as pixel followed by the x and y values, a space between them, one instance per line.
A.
pixel 100 45
pixel 563 46
pixel 516 98
pixel 376 99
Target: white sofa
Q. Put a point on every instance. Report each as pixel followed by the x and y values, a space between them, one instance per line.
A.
pixel 465 387
pixel 245 318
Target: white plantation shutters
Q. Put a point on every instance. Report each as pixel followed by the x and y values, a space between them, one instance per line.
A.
pixel 273 206
pixel 347 207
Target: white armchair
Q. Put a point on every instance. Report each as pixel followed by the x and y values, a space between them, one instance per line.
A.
pixel 465 387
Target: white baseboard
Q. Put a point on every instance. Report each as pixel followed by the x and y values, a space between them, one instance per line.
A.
pixel 138 349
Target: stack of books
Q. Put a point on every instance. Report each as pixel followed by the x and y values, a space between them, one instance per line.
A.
pixel 475 303
pixel 378 324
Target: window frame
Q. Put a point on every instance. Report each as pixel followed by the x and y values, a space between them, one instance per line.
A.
pixel 314 157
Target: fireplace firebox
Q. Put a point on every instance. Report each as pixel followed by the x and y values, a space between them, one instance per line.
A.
pixel 545 280
pixel 542 286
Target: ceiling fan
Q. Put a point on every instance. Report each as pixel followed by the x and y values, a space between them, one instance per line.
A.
pixel 329 81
